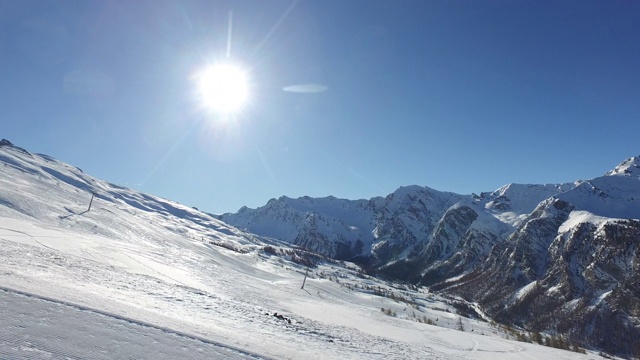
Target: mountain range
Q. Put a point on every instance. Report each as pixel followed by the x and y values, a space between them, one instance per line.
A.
pixel 558 259
pixel 561 258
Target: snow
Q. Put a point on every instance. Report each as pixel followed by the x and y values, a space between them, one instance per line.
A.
pixel 524 290
pixel 137 276
pixel 489 222
pixel 34 327
pixel 630 167
pixel 602 297
pixel 456 278
pixel 523 198
pixel 132 306
pixel 580 216
pixel 607 196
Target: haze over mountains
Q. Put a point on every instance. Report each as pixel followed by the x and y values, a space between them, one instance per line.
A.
pixel 553 259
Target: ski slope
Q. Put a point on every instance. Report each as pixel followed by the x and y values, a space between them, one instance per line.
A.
pixel 87 297
pixel 140 277
pixel 34 327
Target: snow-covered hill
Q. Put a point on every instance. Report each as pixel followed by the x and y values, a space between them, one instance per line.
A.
pixel 137 276
pixel 39 188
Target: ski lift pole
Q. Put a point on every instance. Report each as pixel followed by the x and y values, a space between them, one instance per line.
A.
pixel 305 278
pixel 91 202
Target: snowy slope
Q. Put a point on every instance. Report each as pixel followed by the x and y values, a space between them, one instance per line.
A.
pixel 513 202
pixel 608 196
pixel 142 277
pixel 38 187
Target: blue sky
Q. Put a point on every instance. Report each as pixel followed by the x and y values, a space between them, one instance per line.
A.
pixel 462 96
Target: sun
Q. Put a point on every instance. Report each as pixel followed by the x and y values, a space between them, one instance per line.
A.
pixel 223 88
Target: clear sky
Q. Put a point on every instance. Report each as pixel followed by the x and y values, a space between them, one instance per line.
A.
pixel 462 96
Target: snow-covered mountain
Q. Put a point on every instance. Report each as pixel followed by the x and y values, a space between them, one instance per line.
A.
pixel 385 228
pixel 132 275
pixel 334 227
pixel 576 244
pixel 570 265
pixel 433 226
pixel 411 222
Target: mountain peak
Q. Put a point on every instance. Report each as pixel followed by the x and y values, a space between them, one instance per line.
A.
pixel 8 144
pixel 5 142
pixel 629 167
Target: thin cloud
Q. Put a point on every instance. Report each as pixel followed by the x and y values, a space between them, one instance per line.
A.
pixel 306 88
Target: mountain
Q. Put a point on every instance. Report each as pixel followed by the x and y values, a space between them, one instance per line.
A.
pixel 93 270
pixel 410 221
pixel 381 229
pixel 334 227
pixel 571 266
pixel 559 258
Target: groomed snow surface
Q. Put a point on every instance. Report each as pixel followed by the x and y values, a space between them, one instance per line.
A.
pixel 35 328
pixel 67 295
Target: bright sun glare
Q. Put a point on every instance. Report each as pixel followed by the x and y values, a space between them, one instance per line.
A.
pixel 223 88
